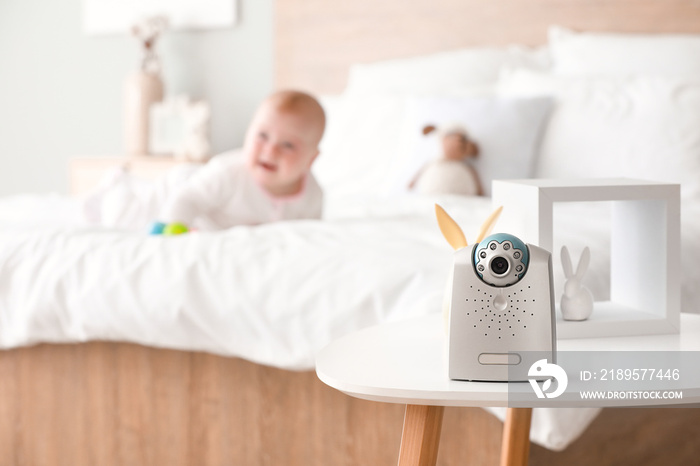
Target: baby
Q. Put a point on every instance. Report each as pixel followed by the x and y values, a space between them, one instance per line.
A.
pixel 269 181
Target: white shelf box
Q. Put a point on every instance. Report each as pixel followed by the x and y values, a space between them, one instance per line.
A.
pixel 644 248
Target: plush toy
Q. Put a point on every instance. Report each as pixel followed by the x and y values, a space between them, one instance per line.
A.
pixel 450 173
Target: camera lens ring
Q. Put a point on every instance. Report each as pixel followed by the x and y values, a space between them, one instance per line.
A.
pixel 499 265
pixel 505 271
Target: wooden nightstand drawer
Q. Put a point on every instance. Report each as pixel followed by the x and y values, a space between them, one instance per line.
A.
pixel 86 172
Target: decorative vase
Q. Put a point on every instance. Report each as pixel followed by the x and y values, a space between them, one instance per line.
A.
pixel 141 90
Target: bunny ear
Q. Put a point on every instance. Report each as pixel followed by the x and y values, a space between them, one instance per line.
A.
pixel 488 224
pixel 583 263
pixel 566 262
pixel 450 230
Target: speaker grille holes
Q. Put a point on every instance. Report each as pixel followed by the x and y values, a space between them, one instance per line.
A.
pixel 496 314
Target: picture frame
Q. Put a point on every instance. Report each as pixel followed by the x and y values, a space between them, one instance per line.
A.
pixel 179 127
pixel 117 16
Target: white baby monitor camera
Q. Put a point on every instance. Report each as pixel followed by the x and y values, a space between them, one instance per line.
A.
pixel 501 307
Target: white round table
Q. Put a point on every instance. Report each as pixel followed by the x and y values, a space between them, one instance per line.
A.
pixel 405 362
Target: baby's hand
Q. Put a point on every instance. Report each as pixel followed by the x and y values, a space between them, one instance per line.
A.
pixel 168 229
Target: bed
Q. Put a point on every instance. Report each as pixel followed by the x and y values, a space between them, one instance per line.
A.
pixel 178 357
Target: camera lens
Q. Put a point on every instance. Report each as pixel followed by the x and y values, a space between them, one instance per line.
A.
pixel 499 265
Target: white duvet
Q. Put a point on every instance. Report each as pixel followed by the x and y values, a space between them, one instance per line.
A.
pixel 274 294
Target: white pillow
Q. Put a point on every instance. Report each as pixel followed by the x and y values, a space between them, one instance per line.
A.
pixel 359 144
pixel 621 55
pixel 331 104
pixel 507 131
pixel 645 128
pixel 442 72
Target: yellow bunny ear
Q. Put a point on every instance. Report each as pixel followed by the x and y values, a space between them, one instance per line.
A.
pixel 450 230
pixel 488 224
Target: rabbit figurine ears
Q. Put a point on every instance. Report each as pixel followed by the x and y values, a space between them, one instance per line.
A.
pixel 577 301
pixel 582 263
pixel 454 234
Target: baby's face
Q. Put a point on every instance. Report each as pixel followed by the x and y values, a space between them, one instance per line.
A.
pixel 280 147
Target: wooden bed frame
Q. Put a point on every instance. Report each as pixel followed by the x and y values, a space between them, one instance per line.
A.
pixel 105 404
pixel 121 404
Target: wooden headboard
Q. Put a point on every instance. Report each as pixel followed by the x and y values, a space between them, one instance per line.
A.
pixel 317 40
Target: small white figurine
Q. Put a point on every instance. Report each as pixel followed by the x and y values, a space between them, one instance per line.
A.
pixel 577 301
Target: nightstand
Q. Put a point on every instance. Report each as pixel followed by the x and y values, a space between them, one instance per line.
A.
pixel 86 172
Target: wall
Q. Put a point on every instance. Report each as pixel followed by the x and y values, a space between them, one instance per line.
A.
pixel 61 91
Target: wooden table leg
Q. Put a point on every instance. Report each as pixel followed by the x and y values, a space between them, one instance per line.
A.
pixel 420 439
pixel 515 449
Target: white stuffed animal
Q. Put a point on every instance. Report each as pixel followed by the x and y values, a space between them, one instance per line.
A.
pixel 577 301
pixel 451 173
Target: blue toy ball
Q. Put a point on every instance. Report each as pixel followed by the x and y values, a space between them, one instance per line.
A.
pixel 157 228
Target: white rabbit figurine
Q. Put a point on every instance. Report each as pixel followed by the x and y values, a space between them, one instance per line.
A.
pixel 577 301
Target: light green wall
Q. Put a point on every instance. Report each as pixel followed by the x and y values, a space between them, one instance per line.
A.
pixel 61 90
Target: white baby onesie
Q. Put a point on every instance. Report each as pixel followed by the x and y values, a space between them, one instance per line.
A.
pixel 223 194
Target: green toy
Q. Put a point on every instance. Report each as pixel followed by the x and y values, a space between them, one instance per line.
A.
pixel 175 229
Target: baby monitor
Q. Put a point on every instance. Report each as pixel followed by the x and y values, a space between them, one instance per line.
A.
pixel 501 308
